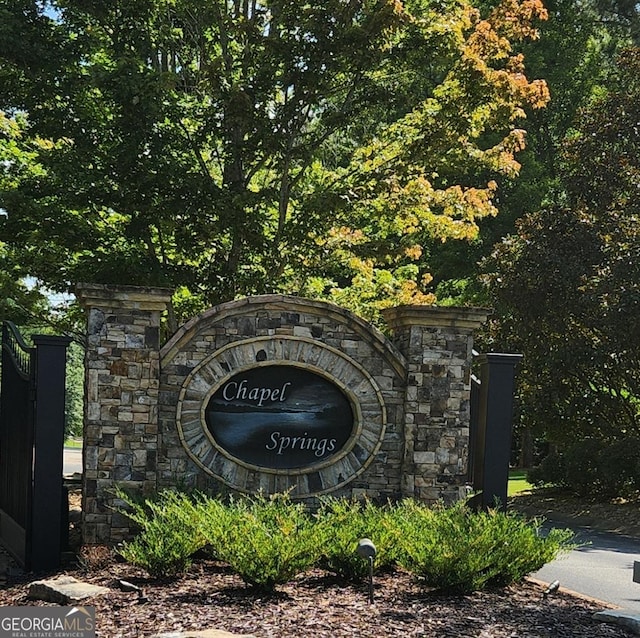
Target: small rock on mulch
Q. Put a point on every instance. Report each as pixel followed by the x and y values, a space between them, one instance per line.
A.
pixel 64 590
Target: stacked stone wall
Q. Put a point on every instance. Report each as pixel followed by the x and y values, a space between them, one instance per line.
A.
pixel 438 346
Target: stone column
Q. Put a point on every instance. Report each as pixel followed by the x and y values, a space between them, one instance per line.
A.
pixel 438 345
pixel 121 401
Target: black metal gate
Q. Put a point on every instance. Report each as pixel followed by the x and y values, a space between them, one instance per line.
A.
pixel 32 396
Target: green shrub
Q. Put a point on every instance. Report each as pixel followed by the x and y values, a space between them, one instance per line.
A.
pixel 619 467
pixel 216 520
pixel 268 541
pixel 343 523
pixel 169 533
pixel 593 467
pixel 455 549
pixel 435 547
pixel 550 471
pixel 517 547
pixel 582 466
pixel 265 541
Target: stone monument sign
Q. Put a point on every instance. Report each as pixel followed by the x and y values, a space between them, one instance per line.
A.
pixel 272 393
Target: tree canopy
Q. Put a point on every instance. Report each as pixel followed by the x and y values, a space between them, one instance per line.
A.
pixel 567 286
pixel 236 147
pixel 574 53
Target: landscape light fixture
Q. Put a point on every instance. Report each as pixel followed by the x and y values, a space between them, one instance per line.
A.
pixel 366 549
pixel 551 589
pixel 125 585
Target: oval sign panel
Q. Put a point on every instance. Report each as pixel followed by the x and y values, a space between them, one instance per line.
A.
pixel 279 417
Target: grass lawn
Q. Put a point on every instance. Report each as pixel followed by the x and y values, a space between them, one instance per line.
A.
pixel 518 482
pixel 73 443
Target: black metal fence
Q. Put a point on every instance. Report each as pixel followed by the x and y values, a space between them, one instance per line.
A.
pixel 32 397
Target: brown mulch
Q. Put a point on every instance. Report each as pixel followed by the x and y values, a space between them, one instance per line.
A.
pixel 318 604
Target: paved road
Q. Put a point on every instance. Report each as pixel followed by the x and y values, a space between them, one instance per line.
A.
pixel 72 460
pixel 602 568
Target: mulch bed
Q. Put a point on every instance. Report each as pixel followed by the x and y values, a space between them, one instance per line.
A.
pixel 319 605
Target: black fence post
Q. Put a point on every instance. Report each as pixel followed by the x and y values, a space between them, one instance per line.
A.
pixel 495 425
pixel 46 524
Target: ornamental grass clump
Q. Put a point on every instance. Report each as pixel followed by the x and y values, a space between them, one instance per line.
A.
pixel 457 550
pixel 170 532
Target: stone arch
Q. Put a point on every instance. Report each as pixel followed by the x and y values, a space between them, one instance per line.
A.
pixel 275 330
pixel 323 312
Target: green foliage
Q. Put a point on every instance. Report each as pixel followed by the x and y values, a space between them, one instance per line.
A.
pixel 215 520
pixel 268 541
pixel 343 523
pixel 74 416
pixel 454 549
pixel 574 34
pixel 579 378
pixel 169 533
pixel 619 467
pixel 18 303
pixel 551 470
pixel 581 464
pixel 588 467
pixel 237 148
